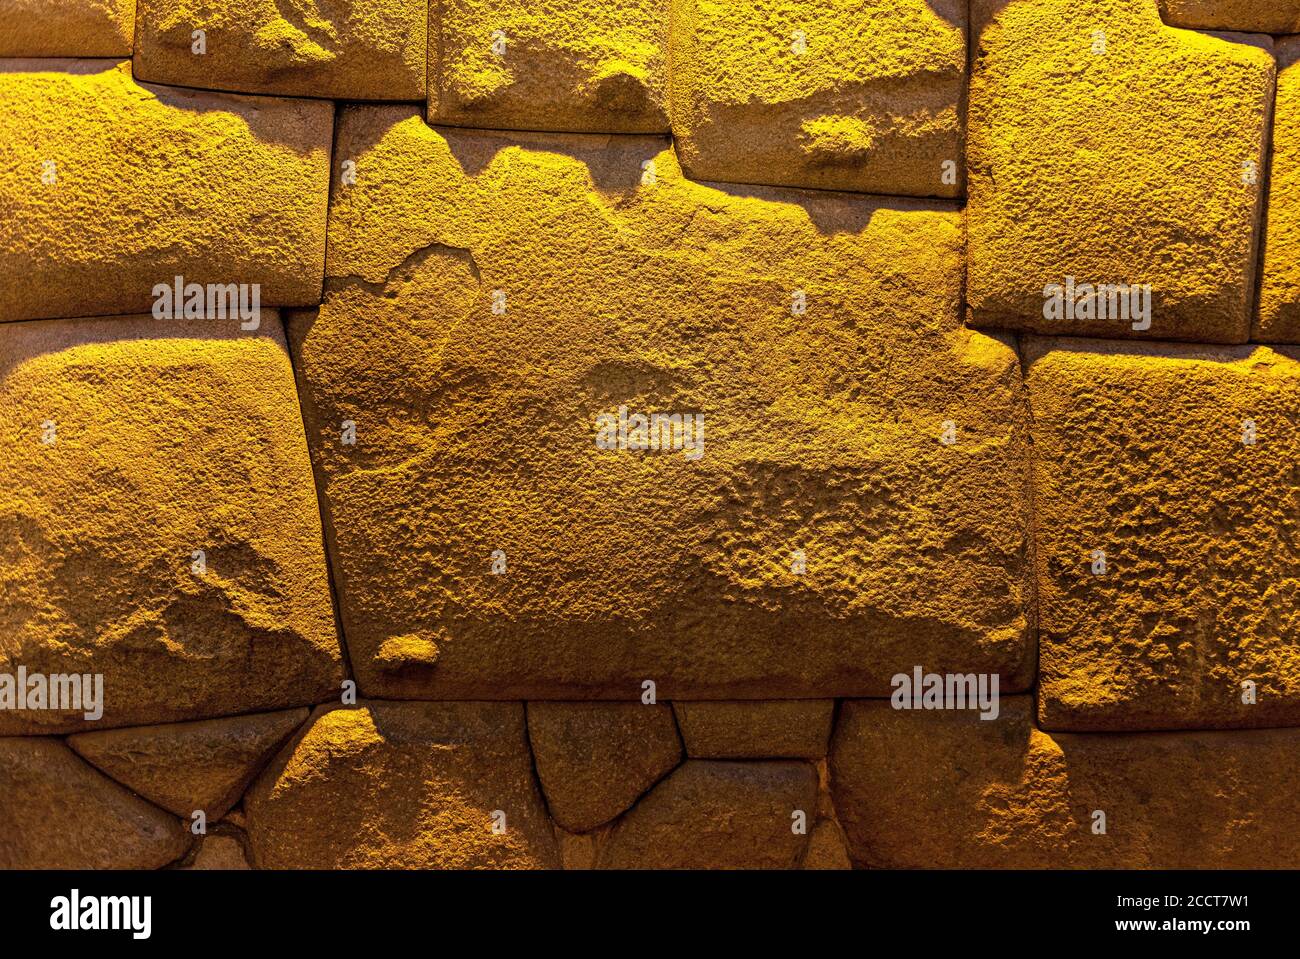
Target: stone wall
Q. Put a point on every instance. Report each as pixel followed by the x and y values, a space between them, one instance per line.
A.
pixel 332 340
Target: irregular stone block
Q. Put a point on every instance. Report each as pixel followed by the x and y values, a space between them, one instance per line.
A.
pixel 1166 504
pixel 1116 172
pixel 1252 16
pixel 790 729
pixel 56 812
pixel 593 66
pixel 66 28
pixel 596 759
pixel 104 204
pixel 841 96
pixel 345 49
pixel 716 815
pixel 158 522
pixel 1279 298
pixel 818 537
pixel 945 789
pixel 184 767
pixel 403 785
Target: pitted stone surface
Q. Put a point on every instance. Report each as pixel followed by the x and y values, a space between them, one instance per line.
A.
pixel 1109 149
pixel 66 28
pixel 832 94
pixel 945 789
pixel 592 66
pixel 346 49
pixel 403 785
pixel 158 521
pixel 111 187
pixel 1166 497
pixel 476 432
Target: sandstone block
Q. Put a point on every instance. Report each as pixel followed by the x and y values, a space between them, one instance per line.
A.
pixel 818 537
pixel 158 522
pixel 184 767
pixel 836 95
pixel 57 812
pixel 945 789
pixel 1116 172
pixel 1252 16
pixel 717 815
pixel 345 49
pixel 1279 298
pixel 592 66
pixel 1166 501
pixel 111 187
pixel 403 785
pixel 789 729
pixel 596 759
pixel 66 28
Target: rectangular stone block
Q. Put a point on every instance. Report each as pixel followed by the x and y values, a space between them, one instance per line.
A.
pixel 591 66
pixel 112 188
pixel 1253 16
pixel 842 95
pixel 855 504
pixel 158 527
pixel 66 28
pixel 1279 299
pixel 1117 168
pixel 345 49
pixel 947 790
pixel 1166 496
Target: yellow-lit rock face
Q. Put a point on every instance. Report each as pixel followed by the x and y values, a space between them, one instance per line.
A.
pixel 130 446
pixel 946 789
pixel 1179 464
pixel 66 28
pixel 347 49
pixel 1261 16
pixel 183 767
pixel 593 66
pixel 834 94
pixel 403 785
pixel 110 188
pixel 56 812
pixel 1279 298
pixel 1107 148
pixel 824 538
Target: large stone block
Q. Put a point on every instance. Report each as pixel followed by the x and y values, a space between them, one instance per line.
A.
pixel 593 66
pixel 1279 298
pixel 403 785
pixel 1108 150
pixel 187 767
pixel 945 789
pixel 836 94
pixel 56 812
pixel 66 28
pixel 110 188
pixel 717 815
pixel 158 521
pixel 1254 16
pixel 492 296
pixel 1166 493
pixel 346 49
